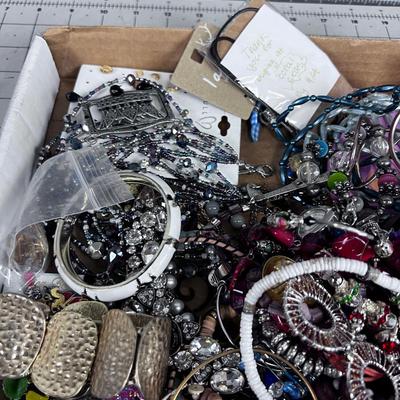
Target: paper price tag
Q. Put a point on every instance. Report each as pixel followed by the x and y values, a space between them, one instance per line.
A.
pixel 278 63
pixel 197 76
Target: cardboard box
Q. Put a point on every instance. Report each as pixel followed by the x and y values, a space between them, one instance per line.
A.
pixel 53 64
pixel 362 62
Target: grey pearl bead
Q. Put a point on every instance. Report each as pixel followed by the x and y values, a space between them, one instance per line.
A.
pixel 307 156
pixel 346 195
pixel 188 317
pixel 362 134
pixel 348 144
pixel 171 282
pixel 383 162
pixel 210 250
pixel 313 190
pixel 212 208
pixel 384 248
pixel 237 221
pixel 386 200
pixel 358 203
pixel 177 306
pixel 171 267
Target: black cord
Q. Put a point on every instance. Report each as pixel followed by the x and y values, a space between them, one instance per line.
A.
pixel 219 38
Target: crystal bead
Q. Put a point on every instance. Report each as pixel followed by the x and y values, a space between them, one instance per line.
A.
pixel 133 237
pixel 161 307
pixel 95 250
pixel 160 282
pixel 300 359
pixel 227 381
pixel 211 166
pixel 183 360
pixel 161 220
pixel 148 219
pixel 134 264
pixel 148 234
pixel 190 329
pixel 276 390
pixel 379 146
pixel 146 297
pixel 308 367
pixel 339 161
pixel 203 374
pixel 203 347
pixel 149 251
pixel 131 250
pixel 308 172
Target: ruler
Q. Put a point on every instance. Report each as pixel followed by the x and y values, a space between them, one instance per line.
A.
pixel 357 18
pixel 20 20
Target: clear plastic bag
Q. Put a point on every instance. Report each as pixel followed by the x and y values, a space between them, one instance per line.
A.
pixel 67 184
pixel 71 183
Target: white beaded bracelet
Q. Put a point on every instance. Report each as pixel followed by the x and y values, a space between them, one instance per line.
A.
pixel 284 274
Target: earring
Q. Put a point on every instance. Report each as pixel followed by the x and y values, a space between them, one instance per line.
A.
pixel 336 337
pixel 366 356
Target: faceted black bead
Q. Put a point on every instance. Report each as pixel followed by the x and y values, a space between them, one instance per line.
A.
pixel 72 97
pixel 143 86
pixel 116 90
pixel 131 79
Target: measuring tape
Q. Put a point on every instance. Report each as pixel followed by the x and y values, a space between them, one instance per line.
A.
pixel 361 19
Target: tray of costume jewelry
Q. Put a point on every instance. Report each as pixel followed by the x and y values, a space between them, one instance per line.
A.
pixel 156 245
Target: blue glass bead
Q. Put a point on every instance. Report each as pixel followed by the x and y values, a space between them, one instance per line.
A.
pixel 76 144
pixel 269 378
pixel 318 120
pixel 325 98
pixel 208 194
pixel 254 126
pixel 72 97
pixel 182 140
pixel 292 390
pixel 323 148
pixel 300 101
pixel 211 166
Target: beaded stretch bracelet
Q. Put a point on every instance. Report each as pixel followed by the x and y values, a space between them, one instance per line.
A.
pixel 335 104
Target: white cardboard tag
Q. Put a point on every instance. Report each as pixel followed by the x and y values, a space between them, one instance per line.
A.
pixel 278 64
